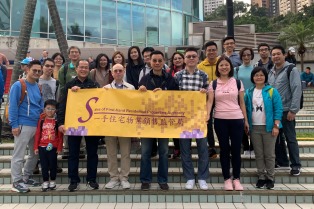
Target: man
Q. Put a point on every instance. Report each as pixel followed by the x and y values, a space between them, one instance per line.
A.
pixel 44 56
pixel 66 73
pixel 47 82
pixel 118 177
pixel 156 80
pixel 4 60
pixel 290 56
pixel 3 76
pixel 229 46
pixel 23 117
pixel 24 67
pixel 193 79
pixel 28 56
pixel 81 81
pixel 209 67
pixel 265 61
pixel 307 77
pixel 289 87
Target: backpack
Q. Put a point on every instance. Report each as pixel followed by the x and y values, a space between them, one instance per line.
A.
pixel 23 93
pixel 215 86
pixel 290 67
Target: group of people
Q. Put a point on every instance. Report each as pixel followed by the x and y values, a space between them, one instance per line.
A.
pixel 247 102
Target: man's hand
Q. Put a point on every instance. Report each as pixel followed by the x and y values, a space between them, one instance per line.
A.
pixel 142 88
pixel 75 88
pixel 62 129
pixel 203 90
pixel 16 131
pixel 290 116
pixel 157 89
pixel 36 151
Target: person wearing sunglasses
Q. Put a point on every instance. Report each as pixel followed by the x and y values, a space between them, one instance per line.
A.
pixel 23 117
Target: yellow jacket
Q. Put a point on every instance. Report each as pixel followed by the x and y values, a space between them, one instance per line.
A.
pixel 208 68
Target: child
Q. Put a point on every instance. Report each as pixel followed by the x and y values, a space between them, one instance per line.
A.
pixel 48 144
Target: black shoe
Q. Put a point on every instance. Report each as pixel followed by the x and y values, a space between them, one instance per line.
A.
pixel 212 153
pixel 260 183
pixel 82 156
pixel 295 171
pixel 65 156
pixel 59 170
pixel 269 184
pixel 145 186
pixel 163 186
pixel 101 142
pixel 92 185
pixel 36 170
pixel 73 187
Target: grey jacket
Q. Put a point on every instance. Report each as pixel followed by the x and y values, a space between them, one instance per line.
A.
pixel 290 92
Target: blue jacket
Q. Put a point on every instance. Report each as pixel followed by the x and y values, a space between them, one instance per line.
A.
pixel 272 105
pixel 28 112
pixel 307 77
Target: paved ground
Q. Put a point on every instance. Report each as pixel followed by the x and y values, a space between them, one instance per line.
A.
pixel 156 206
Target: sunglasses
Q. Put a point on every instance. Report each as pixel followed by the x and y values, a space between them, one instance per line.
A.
pixel 37 71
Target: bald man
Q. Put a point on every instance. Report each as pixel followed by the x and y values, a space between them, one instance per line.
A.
pixel 118 177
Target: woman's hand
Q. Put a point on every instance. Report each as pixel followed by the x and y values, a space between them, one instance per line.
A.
pixel 275 131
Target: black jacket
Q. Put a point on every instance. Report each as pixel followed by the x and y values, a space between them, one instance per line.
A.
pixel 133 73
pixel 165 81
pixel 86 84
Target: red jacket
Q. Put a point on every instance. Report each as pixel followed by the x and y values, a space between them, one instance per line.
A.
pixel 42 136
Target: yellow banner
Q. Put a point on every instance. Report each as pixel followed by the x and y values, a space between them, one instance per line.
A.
pixel 130 113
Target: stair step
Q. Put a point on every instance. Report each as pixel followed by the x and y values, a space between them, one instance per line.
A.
pixel 304 129
pixel 293 193
pixel 305 123
pixel 248 175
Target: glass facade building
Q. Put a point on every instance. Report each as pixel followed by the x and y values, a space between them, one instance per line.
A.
pixel 116 22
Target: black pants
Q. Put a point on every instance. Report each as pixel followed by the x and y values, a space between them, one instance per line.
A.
pixel 247 146
pixel 210 132
pixel 48 163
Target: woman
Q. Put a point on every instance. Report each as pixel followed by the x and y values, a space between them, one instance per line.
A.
pixel 264 110
pixel 243 73
pixel 59 61
pixel 176 64
pixel 101 73
pixel 135 65
pixel 230 120
pixel 118 58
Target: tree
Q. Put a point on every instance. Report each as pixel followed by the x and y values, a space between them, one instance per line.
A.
pixel 24 37
pixel 61 38
pixel 298 34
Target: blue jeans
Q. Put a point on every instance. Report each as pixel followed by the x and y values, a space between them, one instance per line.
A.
pixel 203 159
pixel 146 162
pixel 292 143
pixel 229 133
pixel 92 157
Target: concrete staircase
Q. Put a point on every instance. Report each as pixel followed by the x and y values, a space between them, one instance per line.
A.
pixel 288 189
pixel 305 117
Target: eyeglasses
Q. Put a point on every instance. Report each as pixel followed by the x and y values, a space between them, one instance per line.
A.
pixel 190 56
pixel 58 59
pixel 160 60
pixel 50 109
pixel 263 50
pixel 74 52
pixel 118 71
pixel 37 71
pixel 52 66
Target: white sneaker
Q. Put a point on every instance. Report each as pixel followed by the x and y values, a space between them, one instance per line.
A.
pixel 111 184
pixel 190 184
pixel 45 186
pixel 125 185
pixel 252 154
pixel 246 154
pixel 203 185
pixel 52 185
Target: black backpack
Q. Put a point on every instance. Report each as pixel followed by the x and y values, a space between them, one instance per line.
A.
pixel 290 67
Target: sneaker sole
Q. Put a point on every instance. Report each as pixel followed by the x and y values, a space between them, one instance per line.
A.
pixel 106 187
pixel 298 174
pixel 19 191
pixel 214 156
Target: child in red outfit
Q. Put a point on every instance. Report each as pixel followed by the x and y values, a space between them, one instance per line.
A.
pixel 48 144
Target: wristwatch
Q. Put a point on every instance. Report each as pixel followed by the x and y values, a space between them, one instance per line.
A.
pixel 276 125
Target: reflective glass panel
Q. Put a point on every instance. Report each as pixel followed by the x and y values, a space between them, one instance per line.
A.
pixel 138 25
pixel 152 27
pixel 177 28
pixel 152 2
pixel 176 5
pixel 124 24
pixel 165 28
pixel 187 6
pixel 92 19
pixel 40 23
pixel 75 26
pixel 5 15
pixel 164 4
pixel 109 22
pixel 17 16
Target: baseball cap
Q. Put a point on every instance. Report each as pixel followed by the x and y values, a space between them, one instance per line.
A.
pixel 25 61
pixel 291 49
